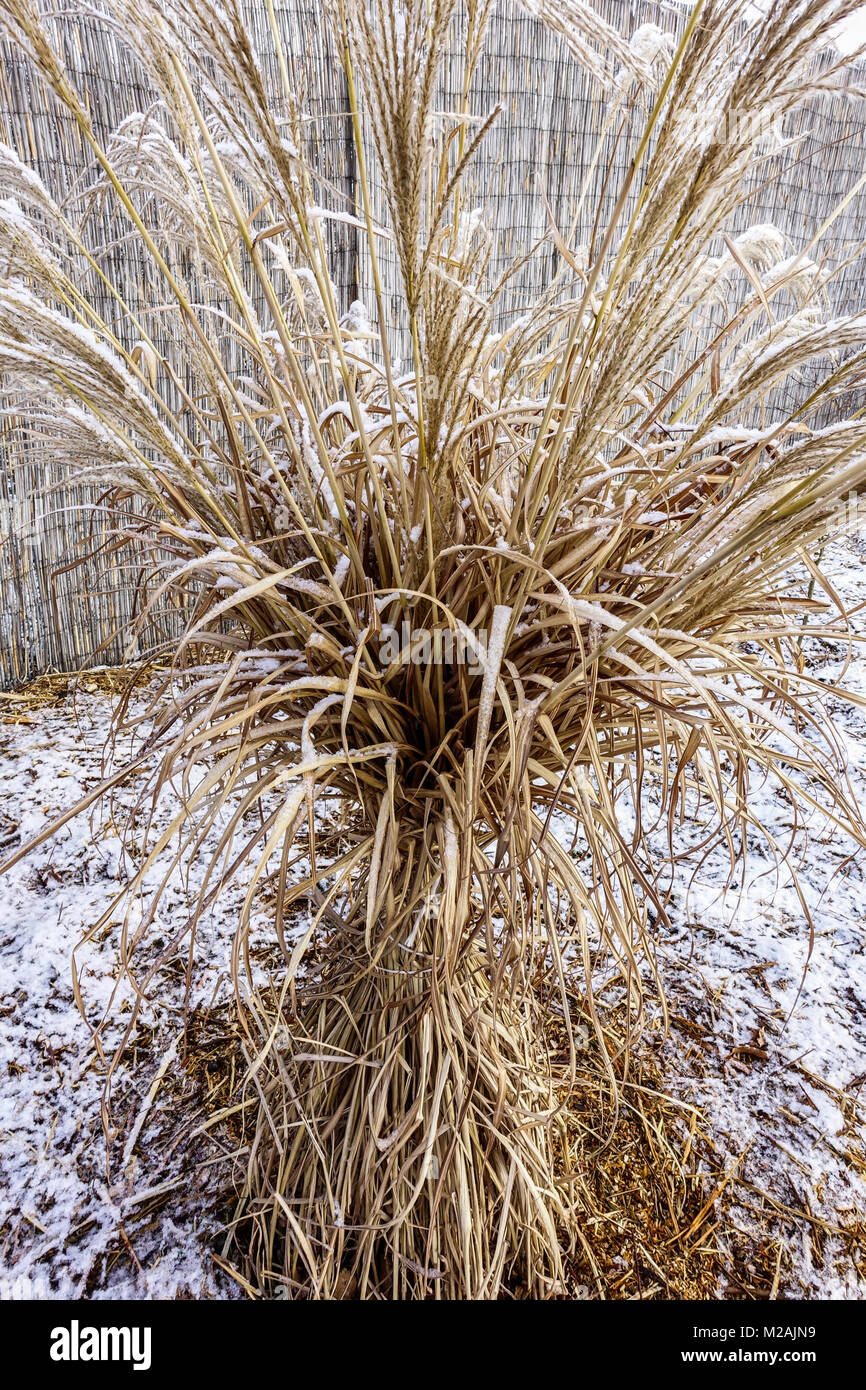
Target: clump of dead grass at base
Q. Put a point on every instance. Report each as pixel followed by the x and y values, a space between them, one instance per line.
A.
pixel 643 1199
pixel 660 1215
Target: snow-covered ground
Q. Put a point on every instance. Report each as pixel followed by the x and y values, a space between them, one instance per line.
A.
pixel 769 1034
pixel 777 1063
pixel 151 1231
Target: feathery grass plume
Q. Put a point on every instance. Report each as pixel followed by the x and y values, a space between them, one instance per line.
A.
pixel 446 625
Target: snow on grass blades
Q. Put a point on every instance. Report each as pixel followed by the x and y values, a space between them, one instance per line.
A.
pixel 462 599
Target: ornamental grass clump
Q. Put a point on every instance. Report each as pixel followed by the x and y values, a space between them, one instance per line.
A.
pixel 446 620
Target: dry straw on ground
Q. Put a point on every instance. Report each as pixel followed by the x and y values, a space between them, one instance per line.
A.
pixel 463 887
